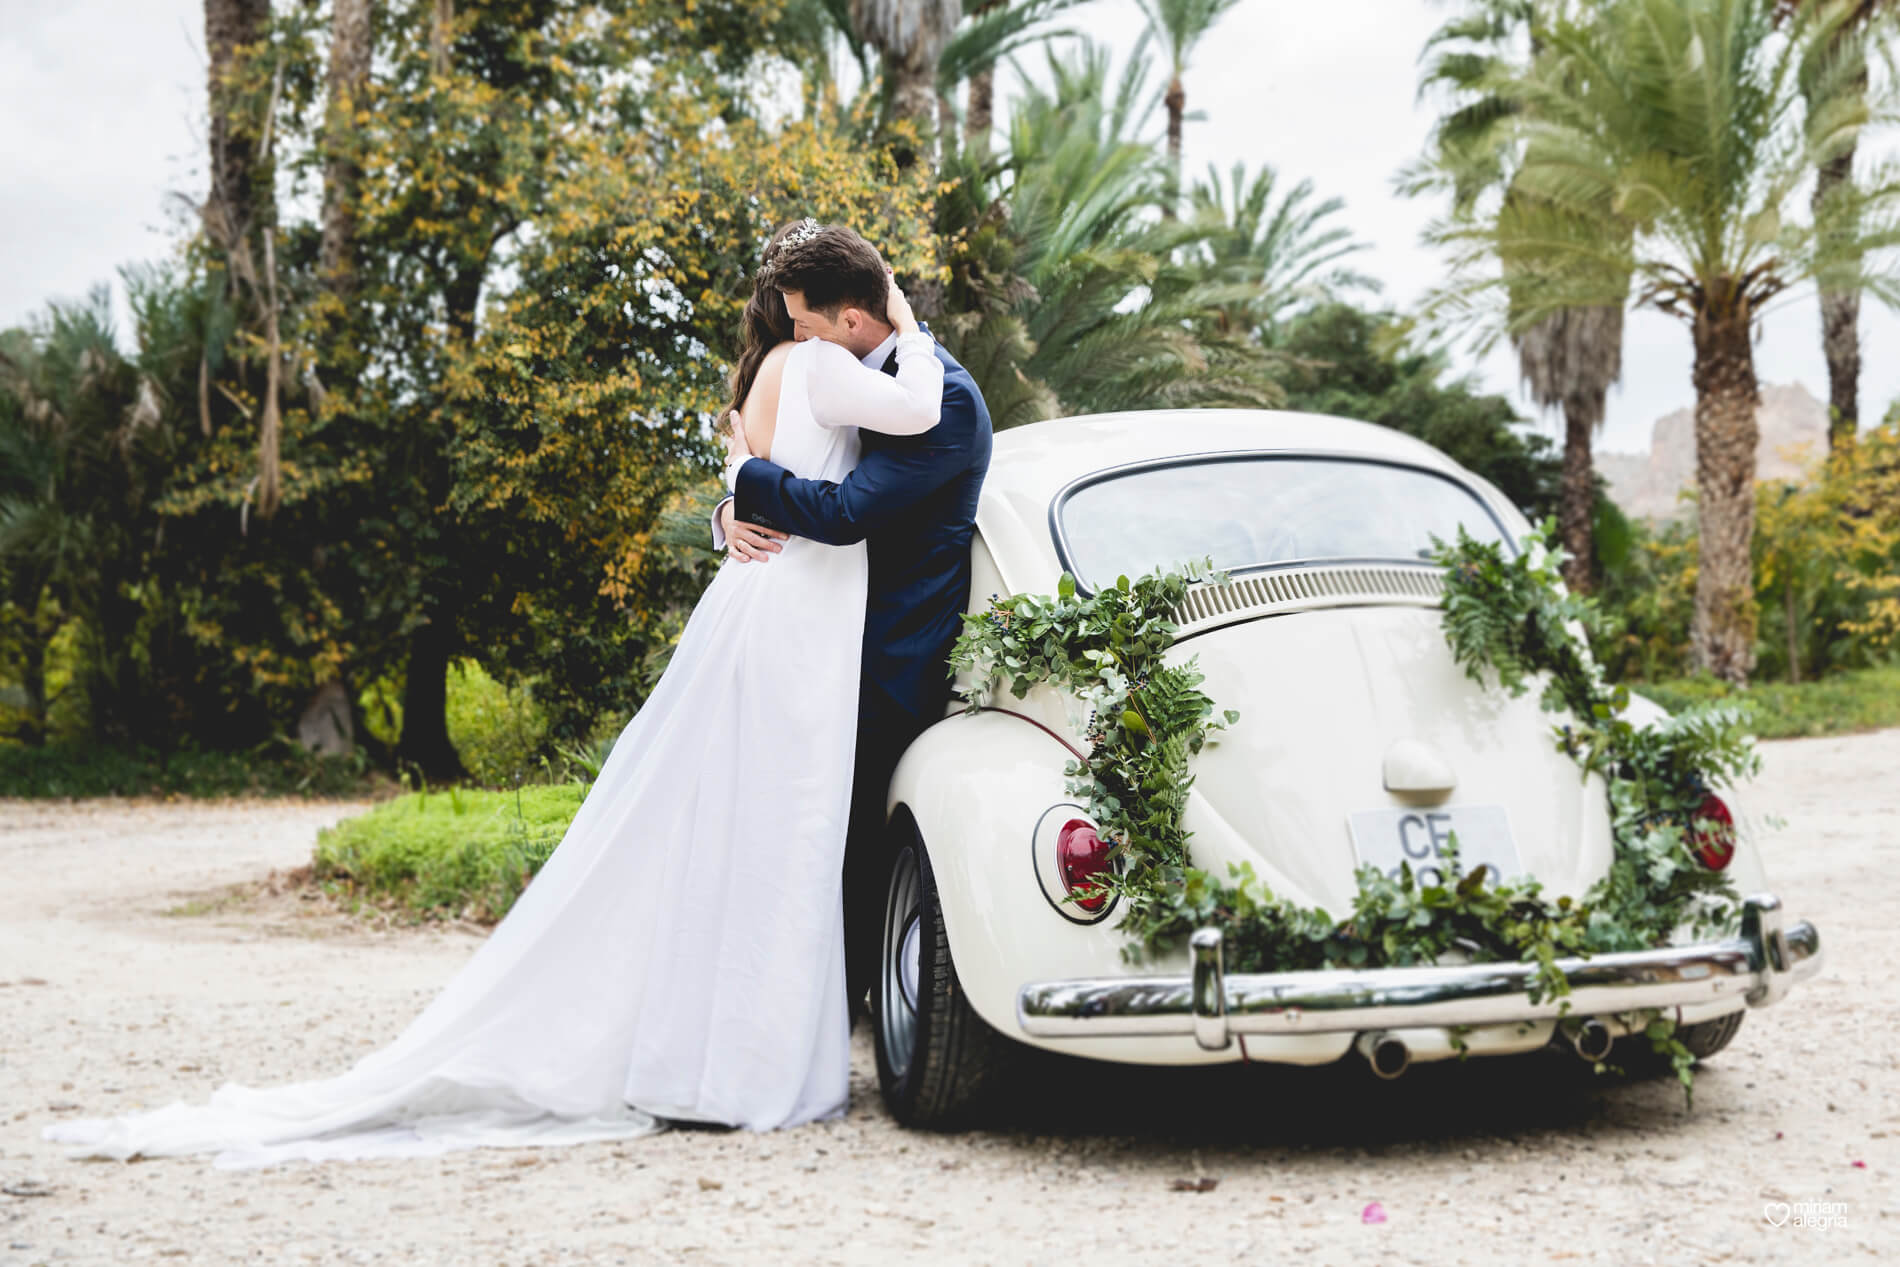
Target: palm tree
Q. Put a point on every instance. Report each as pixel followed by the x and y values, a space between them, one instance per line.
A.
pixel 79 426
pixel 909 36
pixel 994 30
pixel 1569 359
pixel 1284 255
pixel 1179 25
pixel 239 212
pixel 979 120
pixel 1663 140
pixel 240 198
pixel 1068 299
pixel 40 544
pixel 1840 309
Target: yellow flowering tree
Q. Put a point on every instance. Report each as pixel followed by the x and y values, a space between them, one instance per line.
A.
pixel 1827 560
pixel 554 207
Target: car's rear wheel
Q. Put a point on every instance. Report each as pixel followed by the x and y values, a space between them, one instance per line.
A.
pixel 1703 1039
pixel 938 1063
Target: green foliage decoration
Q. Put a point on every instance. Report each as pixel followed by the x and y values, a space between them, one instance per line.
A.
pixel 1509 623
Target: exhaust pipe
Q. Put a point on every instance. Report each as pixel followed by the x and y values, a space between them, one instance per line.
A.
pixel 1592 1040
pixel 1385 1052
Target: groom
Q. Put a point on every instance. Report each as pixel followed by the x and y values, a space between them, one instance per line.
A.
pixel 912 500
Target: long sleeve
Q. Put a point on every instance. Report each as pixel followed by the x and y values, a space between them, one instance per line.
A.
pixel 886 482
pixel 844 393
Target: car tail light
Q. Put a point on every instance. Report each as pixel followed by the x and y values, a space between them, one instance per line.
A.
pixel 1082 854
pixel 1712 832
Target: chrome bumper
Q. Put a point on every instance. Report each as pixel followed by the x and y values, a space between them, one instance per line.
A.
pixel 1759 965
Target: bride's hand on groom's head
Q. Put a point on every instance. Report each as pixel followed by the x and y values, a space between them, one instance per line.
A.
pixel 897 308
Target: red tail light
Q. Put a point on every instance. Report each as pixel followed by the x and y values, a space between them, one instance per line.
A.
pixel 1712 832
pixel 1082 854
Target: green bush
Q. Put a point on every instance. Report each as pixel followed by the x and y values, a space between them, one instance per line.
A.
pixel 1826 558
pixel 453 852
pixel 499 731
pixel 1861 699
pixel 1645 597
pixel 277 768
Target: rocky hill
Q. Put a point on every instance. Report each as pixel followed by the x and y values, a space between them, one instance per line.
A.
pixel 1645 485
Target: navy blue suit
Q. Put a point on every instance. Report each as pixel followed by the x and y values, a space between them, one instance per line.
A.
pixel 912 500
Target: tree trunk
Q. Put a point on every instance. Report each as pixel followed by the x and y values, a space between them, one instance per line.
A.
pixel 33 684
pixel 1840 323
pixel 1840 341
pixel 1176 101
pixel 349 81
pixel 1583 412
pixel 379 753
pixel 1722 637
pixel 241 198
pixel 1794 630
pixel 946 126
pixel 425 697
pixel 1840 310
pixel 441 33
pixel 982 113
pixel 240 210
pixel 913 99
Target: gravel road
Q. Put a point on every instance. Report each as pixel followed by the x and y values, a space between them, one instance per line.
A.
pixel 150 951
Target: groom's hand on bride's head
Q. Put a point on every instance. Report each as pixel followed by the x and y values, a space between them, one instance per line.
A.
pixel 746 541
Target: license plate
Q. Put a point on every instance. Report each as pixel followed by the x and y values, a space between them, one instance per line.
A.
pixel 1384 838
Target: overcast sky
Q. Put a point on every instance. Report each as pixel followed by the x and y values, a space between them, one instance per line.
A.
pixel 104 107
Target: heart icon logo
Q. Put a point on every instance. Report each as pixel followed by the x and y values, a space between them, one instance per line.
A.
pixel 1777 1212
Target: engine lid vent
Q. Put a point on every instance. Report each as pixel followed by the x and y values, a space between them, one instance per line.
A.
pixel 1287 590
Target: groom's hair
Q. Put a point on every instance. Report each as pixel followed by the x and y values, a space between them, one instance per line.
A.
pixel 835 269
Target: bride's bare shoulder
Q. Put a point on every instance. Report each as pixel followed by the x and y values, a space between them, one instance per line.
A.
pixel 759 409
pixel 772 369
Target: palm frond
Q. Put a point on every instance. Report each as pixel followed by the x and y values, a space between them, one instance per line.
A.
pixel 991 35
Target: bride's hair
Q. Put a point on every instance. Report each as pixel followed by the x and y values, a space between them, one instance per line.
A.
pixel 765 323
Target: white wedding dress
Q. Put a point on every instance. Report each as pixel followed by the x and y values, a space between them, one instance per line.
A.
pixel 681 953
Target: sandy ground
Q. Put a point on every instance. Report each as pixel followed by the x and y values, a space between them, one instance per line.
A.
pixel 147 955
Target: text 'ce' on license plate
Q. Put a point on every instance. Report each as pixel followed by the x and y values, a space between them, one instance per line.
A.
pixel 1384 838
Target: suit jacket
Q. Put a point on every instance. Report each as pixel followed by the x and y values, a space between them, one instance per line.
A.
pixel 912 499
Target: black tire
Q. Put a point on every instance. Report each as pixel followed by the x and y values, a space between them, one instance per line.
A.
pixel 939 1065
pixel 1703 1039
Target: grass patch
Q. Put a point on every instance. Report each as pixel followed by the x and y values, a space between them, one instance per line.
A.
pixel 277 768
pixel 1844 703
pixel 459 853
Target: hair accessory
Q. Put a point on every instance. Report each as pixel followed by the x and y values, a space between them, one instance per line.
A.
pixel 778 254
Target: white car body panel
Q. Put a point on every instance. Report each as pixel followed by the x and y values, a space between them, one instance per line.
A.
pixel 1323 694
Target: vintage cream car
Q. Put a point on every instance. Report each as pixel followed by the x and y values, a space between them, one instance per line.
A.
pixel 1359 741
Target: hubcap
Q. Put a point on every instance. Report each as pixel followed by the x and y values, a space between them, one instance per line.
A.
pixel 902 963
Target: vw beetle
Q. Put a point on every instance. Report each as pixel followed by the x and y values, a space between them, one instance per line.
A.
pixel 1359 741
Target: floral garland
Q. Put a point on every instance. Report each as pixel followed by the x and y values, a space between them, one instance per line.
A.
pixel 1505 616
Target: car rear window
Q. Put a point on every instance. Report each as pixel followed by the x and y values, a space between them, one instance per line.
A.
pixel 1253 512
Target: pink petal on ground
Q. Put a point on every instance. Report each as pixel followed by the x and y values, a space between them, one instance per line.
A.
pixel 1373 1213
pixel 1860 1165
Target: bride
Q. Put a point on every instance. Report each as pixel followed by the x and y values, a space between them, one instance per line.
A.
pixel 680 956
